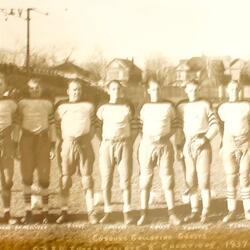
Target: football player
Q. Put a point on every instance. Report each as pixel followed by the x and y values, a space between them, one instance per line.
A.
pixel 198 126
pixel 235 118
pixel 159 123
pixel 75 123
pixel 37 144
pixel 116 148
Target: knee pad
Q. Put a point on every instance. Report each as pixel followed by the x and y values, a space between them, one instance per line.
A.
pixel 191 182
pixel 232 179
pixel 43 183
pixel 124 185
pixel 87 182
pixel 244 180
pixel 146 181
pixel 167 182
pixel 7 185
pixel 66 183
pixel 107 182
pixel 204 182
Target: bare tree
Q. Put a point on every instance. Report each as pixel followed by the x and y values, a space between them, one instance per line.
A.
pixel 160 67
pixel 96 63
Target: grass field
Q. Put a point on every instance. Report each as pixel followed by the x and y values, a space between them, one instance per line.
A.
pixel 158 235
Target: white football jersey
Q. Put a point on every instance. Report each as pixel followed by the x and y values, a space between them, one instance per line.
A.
pixel 158 119
pixel 235 116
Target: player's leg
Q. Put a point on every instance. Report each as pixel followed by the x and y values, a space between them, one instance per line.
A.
pixel 192 182
pixel 43 172
pixel 203 164
pixel 231 171
pixel 27 159
pixel 245 182
pixel 67 169
pixel 106 166
pixel 86 162
pixel 145 151
pixel 167 179
pixel 7 171
pixel 123 155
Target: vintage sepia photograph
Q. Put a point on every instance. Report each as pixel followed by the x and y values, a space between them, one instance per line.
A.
pixel 124 124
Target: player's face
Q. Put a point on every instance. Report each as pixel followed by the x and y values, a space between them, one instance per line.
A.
pixel 154 91
pixel 2 85
pixel 115 91
pixel 35 89
pixel 74 92
pixel 191 91
pixel 233 91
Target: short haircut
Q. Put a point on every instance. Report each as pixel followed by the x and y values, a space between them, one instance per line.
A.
pixel 193 81
pixel 236 82
pixel 115 81
pixel 35 79
pixel 152 79
pixel 74 81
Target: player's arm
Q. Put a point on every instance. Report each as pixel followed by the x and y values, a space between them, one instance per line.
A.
pixel 174 121
pixel 58 123
pixel 52 130
pixel 213 125
pixel 135 123
pixel 17 131
pixel 93 124
pixel 179 134
pixel 99 122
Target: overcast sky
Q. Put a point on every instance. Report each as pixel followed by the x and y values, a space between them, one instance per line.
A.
pixel 132 28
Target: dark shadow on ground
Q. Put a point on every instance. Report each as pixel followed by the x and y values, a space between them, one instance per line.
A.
pixel 155 215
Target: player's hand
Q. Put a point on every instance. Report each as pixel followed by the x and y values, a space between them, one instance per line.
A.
pixel 52 152
pixel 179 154
pixel 199 142
pixel 17 154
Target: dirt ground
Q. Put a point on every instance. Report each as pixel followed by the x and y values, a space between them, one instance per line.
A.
pixel 78 234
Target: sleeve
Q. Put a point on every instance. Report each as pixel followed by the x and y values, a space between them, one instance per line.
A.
pixel 99 117
pixel 220 116
pixel 17 120
pixel 135 121
pixel 213 126
pixel 51 120
pixel 179 135
pixel 93 116
pixel 174 119
pixel 57 121
pixel 99 112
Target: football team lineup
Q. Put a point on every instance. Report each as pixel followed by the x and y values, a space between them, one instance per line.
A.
pixel 34 131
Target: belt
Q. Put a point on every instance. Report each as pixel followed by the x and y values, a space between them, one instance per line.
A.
pixel 43 133
pixel 116 139
pixel 77 138
pixel 156 139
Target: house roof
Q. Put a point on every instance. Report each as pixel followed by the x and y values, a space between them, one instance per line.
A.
pixel 71 68
pixel 235 61
pixel 182 64
pixel 125 62
pixel 196 63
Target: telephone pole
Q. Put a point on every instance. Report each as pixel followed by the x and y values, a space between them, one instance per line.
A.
pixel 28 40
pixel 18 13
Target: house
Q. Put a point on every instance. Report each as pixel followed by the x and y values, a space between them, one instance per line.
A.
pixel 194 67
pixel 235 68
pixel 182 70
pixel 70 70
pixel 124 70
pixel 215 71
